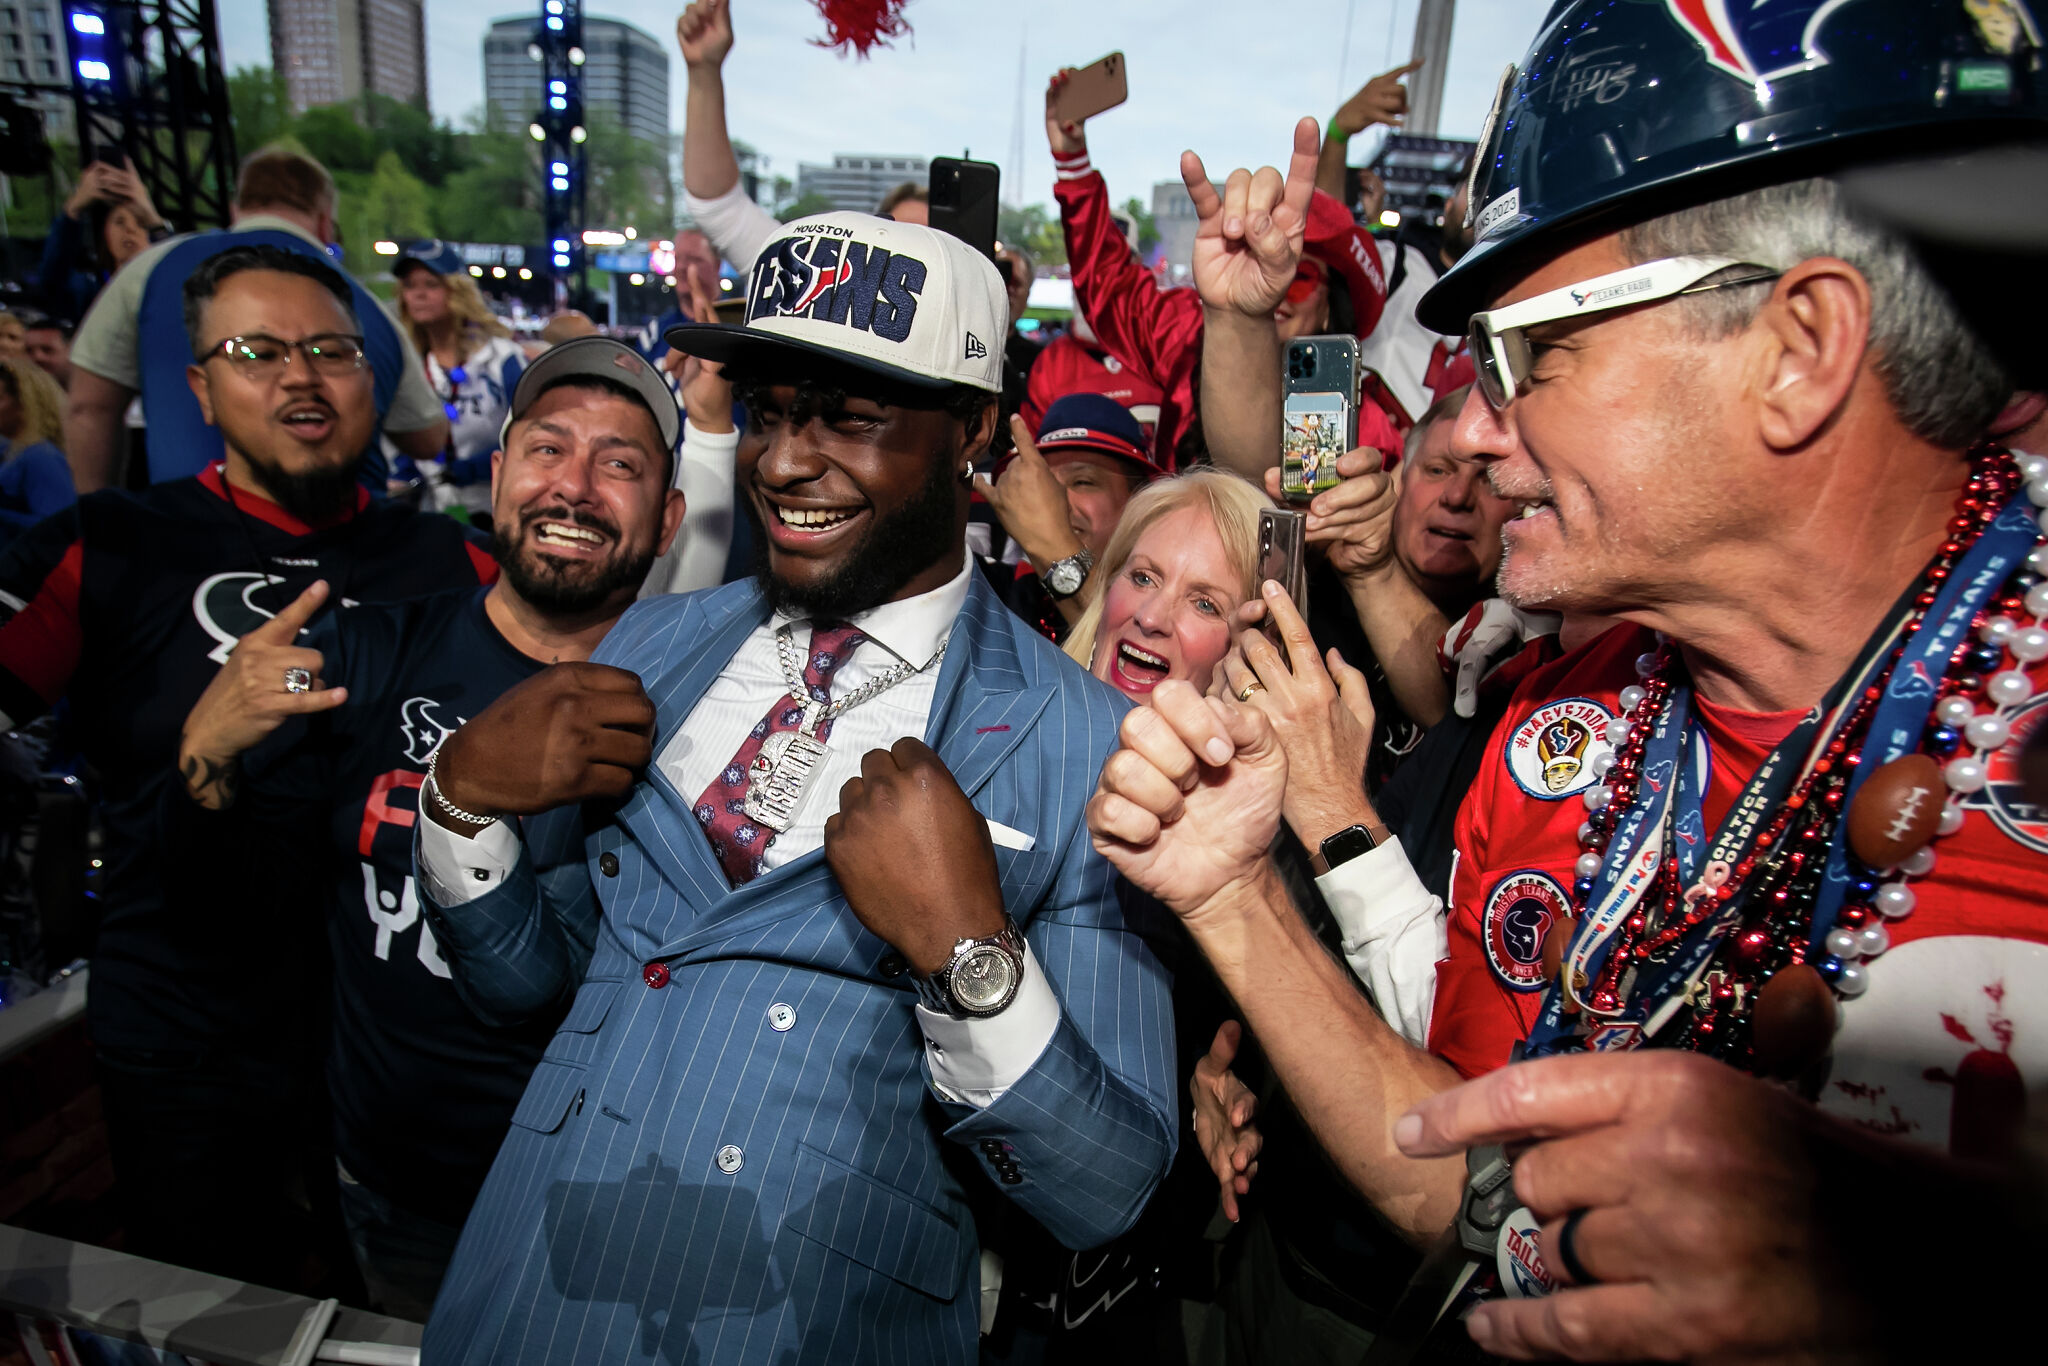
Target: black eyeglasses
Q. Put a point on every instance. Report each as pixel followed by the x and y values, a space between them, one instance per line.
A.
pixel 260 356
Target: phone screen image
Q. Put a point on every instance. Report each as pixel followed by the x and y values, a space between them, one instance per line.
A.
pixel 1313 432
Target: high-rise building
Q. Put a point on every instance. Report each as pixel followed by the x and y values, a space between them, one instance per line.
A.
pixel 332 51
pixel 859 182
pixel 32 49
pixel 625 74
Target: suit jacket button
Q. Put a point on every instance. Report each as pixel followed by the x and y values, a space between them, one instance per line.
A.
pixel 730 1158
pixel 781 1017
pixel 894 966
pixel 655 975
pixel 1013 1177
pixel 608 863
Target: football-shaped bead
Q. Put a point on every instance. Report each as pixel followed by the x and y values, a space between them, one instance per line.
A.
pixel 1897 811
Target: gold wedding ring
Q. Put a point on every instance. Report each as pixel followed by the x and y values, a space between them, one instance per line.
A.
pixel 1244 694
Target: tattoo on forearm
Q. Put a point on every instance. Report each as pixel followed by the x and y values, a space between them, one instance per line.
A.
pixel 212 785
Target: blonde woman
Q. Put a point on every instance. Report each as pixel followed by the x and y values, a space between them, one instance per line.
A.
pixel 35 481
pixel 472 365
pixel 1183 558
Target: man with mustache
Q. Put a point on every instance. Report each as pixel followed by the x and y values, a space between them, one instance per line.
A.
pixel 423 1088
pixel 124 607
pixel 842 959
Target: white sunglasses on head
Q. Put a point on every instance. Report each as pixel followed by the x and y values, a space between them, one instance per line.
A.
pixel 1500 350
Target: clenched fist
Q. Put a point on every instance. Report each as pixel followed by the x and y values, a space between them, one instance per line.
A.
pixel 913 856
pixel 571 733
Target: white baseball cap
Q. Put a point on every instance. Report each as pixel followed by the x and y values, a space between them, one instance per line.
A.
pixel 901 300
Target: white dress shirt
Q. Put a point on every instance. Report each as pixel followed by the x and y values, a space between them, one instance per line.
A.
pixel 1394 935
pixel 972 1061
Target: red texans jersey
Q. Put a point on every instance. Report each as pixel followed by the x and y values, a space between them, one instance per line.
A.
pixel 1953 1029
pixel 1066 366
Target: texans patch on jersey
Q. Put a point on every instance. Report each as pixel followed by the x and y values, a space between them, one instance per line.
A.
pixel 2004 798
pixel 1550 755
pixel 1517 918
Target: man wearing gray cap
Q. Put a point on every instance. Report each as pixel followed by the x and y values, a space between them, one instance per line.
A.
pixel 339 727
pixel 855 962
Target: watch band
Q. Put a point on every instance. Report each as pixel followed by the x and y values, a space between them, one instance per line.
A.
pixel 935 992
pixel 1346 845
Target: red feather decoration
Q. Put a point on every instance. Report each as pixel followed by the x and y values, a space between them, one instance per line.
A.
pixel 861 24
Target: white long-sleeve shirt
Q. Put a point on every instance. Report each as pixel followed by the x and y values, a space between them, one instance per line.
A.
pixel 1393 934
pixel 704 472
pixel 737 226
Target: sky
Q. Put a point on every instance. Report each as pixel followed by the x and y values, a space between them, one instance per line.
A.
pixel 1220 76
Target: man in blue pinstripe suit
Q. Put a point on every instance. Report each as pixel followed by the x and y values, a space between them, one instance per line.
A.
pixel 835 941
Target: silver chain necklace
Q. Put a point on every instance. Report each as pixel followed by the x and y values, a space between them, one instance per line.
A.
pixel 779 777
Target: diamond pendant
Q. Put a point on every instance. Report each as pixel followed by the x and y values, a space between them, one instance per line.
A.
pixel 778 778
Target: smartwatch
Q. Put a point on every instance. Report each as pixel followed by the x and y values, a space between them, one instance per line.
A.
pixel 981 978
pixel 1346 845
pixel 1063 578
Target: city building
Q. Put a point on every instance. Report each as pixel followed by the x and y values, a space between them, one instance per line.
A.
pixel 859 182
pixel 32 51
pixel 334 51
pixel 1173 215
pixel 625 74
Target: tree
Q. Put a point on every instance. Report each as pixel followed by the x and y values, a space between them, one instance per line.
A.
pixel 1035 229
pixel 496 196
pixel 258 108
pixel 427 149
pixel 805 206
pixel 335 136
pixel 629 182
pixel 1148 229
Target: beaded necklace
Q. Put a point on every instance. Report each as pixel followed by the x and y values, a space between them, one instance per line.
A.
pixel 1755 948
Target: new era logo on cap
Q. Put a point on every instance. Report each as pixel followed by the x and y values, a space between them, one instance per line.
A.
pixel 901 299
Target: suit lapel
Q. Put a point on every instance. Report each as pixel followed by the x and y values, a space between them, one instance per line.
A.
pixel 660 817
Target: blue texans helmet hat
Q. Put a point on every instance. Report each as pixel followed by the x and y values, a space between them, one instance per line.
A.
pixel 1095 422
pixel 909 303
pixel 1624 110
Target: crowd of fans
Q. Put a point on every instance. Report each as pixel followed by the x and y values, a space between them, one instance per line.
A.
pixel 1587 917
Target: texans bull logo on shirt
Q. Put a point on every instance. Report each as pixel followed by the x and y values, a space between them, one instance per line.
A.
pixel 826 276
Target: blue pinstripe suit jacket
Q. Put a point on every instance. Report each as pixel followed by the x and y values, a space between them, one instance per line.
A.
pixel 609 1229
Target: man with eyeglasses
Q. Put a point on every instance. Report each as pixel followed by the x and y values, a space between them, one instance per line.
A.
pixel 122 609
pixel 1773 818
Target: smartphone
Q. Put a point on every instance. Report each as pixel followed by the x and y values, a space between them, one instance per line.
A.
pixel 964 196
pixel 1283 552
pixel 1092 89
pixel 1318 413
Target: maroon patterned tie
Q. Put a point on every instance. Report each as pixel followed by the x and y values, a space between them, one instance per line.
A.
pixel 737 841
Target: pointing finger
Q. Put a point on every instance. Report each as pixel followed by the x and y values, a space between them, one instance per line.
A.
pixel 1200 190
pixel 283 628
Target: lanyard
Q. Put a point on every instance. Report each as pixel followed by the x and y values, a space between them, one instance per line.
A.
pixel 1669 798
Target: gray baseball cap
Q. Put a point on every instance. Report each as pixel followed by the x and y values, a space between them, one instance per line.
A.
pixel 598 358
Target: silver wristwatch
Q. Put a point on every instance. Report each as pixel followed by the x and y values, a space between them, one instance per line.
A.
pixel 1063 578
pixel 981 979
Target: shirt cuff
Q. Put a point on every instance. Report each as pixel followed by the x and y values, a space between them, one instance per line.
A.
pixel 974 1061
pixel 456 869
pixel 1071 165
pixel 1373 895
pixel 718 449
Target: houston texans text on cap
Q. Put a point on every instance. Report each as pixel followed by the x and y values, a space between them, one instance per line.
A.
pixel 1093 422
pixel 598 358
pixel 900 300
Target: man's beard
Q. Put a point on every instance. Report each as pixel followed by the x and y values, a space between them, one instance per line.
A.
pixel 553 585
pixel 896 549
pixel 312 496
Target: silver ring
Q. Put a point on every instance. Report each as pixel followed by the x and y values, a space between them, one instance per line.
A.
pixel 298 680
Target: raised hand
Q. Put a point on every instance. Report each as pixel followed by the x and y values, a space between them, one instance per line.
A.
pixel 1354 521
pixel 1065 138
pixel 570 733
pixel 913 857
pixel 1323 716
pixel 706 392
pixel 249 698
pixel 1224 1107
pixel 704 33
pixel 1383 99
pixel 1031 502
pixel 1187 809
pixel 1249 238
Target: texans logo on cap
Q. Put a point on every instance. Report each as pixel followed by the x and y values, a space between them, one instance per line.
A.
pixel 828 278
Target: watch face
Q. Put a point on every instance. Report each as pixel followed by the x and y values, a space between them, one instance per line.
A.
pixel 984 979
pixel 1065 578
